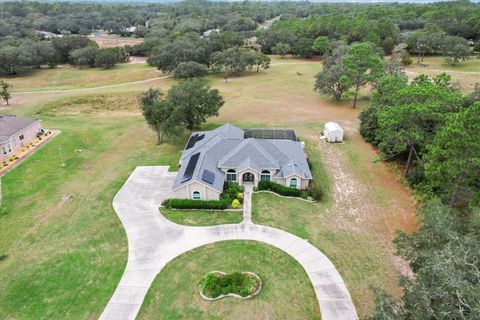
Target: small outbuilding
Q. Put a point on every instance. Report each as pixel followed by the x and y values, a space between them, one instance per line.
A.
pixel 333 132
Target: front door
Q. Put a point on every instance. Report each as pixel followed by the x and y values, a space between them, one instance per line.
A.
pixel 248 177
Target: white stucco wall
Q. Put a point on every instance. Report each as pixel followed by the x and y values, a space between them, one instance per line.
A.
pixel 29 134
pixel 206 193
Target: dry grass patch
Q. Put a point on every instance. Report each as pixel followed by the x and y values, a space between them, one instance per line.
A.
pixel 95 103
pixel 67 77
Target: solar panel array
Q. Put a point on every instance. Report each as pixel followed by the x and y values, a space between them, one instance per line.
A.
pixel 194 139
pixel 192 163
pixel 281 134
pixel 208 176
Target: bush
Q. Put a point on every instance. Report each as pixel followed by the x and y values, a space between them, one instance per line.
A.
pixel 107 58
pixel 315 191
pixel 406 60
pixel 369 125
pixel 231 191
pixel 214 284
pixel 196 204
pixel 236 204
pixel 278 188
pixel 416 176
pixel 190 69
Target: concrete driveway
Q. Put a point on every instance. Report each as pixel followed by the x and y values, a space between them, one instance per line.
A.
pixel 153 241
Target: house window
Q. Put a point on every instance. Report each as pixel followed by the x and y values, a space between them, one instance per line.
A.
pixel 21 137
pixel 293 183
pixel 7 148
pixel 196 195
pixel 265 175
pixel 231 175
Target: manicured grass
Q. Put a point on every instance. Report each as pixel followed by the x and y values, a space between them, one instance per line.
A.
pixel 287 292
pixel 65 257
pixel 66 77
pixel 360 258
pixel 201 217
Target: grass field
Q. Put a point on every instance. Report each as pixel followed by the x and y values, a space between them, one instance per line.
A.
pixel 174 294
pixel 65 257
pixel 466 73
pixel 201 217
pixel 471 65
pixel 67 77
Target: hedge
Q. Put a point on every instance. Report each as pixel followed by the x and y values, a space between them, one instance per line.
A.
pixel 280 189
pixel 196 204
pixel 213 285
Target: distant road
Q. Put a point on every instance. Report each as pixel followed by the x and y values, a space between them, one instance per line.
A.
pixel 127 83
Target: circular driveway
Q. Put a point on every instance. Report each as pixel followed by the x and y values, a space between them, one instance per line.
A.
pixel 153 241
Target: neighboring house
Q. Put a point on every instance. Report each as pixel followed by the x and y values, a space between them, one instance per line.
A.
pixel 16 132
pixel 207 33
pixel 231 154
pixel 47 34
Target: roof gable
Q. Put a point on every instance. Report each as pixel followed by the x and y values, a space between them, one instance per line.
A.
pixel 248 154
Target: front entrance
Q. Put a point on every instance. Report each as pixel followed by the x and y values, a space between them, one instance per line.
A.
pixel 248 177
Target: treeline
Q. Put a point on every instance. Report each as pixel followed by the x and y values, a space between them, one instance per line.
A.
pixel 20 54
pixel 433 130
pixel 354 21
pixel 195 30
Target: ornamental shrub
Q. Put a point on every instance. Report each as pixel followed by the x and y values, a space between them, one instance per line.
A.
pixel 280 189
pixel 215 284
pixel 196 204
pixel 236 204
pixel 230 191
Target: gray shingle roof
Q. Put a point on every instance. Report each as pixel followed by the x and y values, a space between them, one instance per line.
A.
pixel 10 125
pixel 225 147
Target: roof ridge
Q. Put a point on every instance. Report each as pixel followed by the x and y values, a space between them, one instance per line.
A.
pixel 264 152
pixel 232 152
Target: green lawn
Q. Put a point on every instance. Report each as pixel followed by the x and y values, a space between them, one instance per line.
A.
pixel 65 257
pixel 201 217
pixel 287 292
pixel 361 259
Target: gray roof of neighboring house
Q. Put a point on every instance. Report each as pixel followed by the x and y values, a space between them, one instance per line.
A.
pixel 10 125
pixel 226 147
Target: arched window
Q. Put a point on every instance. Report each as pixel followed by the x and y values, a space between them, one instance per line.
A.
pixel 265 175
pixel 196 195
pixel 231 175
pixel 293 183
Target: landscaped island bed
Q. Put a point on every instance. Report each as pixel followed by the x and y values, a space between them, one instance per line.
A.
pixel 217 285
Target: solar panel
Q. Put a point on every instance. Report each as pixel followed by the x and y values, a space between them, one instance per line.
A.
pixel 208 176
pixel 193 140
pixel 192 163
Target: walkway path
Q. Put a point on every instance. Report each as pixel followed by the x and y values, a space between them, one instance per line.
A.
pixel 153 241
pixel 247 202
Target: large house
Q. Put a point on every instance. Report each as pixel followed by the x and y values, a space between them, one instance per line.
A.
pixel 232 154
pixel 16 132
